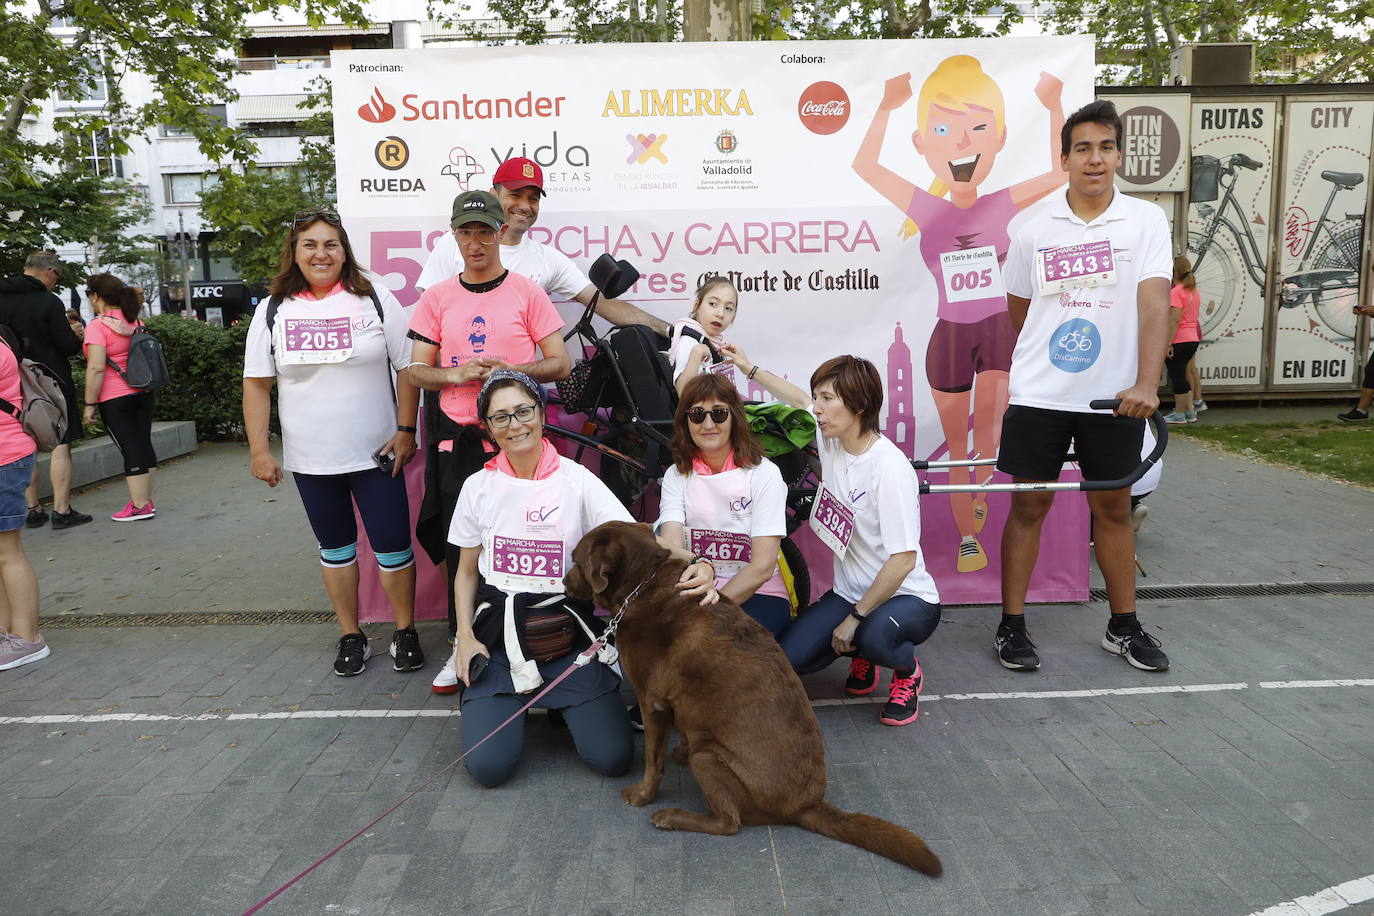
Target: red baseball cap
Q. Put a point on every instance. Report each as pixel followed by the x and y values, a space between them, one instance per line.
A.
pixel 520 173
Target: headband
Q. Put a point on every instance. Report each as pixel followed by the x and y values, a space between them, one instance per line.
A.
pixel 501 375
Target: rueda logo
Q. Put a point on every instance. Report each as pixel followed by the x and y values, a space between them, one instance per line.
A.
pixel 462 167
pixel 377 109
pixel 392 153
pixel 644 147
pixel 823 107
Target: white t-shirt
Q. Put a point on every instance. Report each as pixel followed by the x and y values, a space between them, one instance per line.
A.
pixel 334 415
pixel 732 506
pixel 880 489
pixel 546 266
pixel 1082 344
pixel 682 353
pixel 562 507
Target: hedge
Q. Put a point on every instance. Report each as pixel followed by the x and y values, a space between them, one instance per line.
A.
pixel 206 367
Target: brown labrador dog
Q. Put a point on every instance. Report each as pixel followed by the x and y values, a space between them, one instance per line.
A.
pixel 720 679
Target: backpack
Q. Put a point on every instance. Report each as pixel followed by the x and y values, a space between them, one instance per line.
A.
pixel 44 414
pixel 145 368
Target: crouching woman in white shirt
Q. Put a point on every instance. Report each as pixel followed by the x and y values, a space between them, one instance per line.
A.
pixel 723 500
pixel 516 524
pixel 883 603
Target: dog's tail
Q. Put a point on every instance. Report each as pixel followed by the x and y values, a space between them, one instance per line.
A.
pixel 874 834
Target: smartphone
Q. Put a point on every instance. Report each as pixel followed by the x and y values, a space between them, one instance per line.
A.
pixel 384 460
pixel 476 667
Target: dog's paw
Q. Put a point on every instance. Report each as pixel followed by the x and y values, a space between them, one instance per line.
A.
pixel 664 818
pixel 637 795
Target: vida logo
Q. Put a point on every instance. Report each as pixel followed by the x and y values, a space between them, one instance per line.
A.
pixel 377 109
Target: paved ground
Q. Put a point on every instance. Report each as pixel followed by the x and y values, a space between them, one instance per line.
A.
pixel 183 769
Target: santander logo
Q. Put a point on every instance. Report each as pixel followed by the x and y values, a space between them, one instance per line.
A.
pixel 823 107
pixel 377 109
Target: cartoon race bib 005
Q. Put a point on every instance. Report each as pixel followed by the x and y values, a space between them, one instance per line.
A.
pixel 309 341
pixel 728 551
pixel 832 521
pixel 972 274
pixel 1081 266
pixel 525 564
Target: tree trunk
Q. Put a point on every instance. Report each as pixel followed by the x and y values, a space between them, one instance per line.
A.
pixel 717 20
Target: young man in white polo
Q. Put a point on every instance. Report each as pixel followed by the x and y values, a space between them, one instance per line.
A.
pixel 519 185
pixel 1087 282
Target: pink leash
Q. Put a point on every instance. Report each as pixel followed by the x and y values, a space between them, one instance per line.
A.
pixel 576 663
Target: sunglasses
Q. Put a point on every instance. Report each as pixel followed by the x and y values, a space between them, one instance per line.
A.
pixel 485 236
pixel 316 214
pixel 718 415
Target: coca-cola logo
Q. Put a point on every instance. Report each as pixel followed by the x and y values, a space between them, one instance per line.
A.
pixel 823 107
pixel 377 109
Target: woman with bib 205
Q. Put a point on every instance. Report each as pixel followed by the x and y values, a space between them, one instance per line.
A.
pixel 723 500
pixel 883 603
pixel 516 524
pixel 331 339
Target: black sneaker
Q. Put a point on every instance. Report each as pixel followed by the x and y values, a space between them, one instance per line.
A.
pixel 863 678
pixel 353 651
pixel 1015 649
pixel 1353 415
pixel 38 517
pixel 1139 648
pixel 69 519
pixel 902 699
pixel 405 649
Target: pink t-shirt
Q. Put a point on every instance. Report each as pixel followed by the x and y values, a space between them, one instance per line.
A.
pixel 1180 297
pixel 14 442
pixel 105 332
pixel 506 324
pixel 947 228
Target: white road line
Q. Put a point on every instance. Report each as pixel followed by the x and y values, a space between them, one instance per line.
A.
pixel 134 717
pixel 1327 900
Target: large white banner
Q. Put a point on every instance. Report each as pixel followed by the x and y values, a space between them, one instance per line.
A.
pixel 748 160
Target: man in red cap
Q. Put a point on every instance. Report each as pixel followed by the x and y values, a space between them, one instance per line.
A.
pixel 519 185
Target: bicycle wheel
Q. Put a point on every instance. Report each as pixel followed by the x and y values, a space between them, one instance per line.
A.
pixel 1334 306
pixel 1215 272
pixel 796 575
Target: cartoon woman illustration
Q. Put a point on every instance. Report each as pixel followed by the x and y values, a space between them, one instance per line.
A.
pixel 960 129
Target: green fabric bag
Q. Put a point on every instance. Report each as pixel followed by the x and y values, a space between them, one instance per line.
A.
pixel 781 428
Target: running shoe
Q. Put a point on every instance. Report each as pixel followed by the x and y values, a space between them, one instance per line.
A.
pixel 446 681
pixel 354 650
pixel 15 651
pixel 1353 415
pixel 1139 513
pixel 69 519
pixel 132 513
pixel 1175 418
pixel 38 517
pixel 405 649
pixel 1199 406
pixel 1015 649
pixel 902 699
pixel 863 678
pixel 1138 647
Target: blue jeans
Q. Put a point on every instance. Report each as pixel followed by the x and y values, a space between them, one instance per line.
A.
pixel 14 480
pixel 887 637
pixel 600 729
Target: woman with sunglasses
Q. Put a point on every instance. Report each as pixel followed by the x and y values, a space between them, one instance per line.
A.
pixel 721 499
pixel 126 412
pixel 515 525
pixel 348 426
pixel 883 603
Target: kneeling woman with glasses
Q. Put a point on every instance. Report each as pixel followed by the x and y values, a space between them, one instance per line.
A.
pixel 721 499
pixel 516 524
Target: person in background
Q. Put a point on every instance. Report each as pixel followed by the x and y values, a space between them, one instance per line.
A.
pixel 714 307
pixel 1185 332
pixel 1360 412
pixel 20 641
pixel 126 412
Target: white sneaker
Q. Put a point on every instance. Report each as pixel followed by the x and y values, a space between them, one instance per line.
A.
pixel 446 681
pixel 1138 515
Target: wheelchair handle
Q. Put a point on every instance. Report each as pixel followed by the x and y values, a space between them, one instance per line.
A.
pixel 1149 461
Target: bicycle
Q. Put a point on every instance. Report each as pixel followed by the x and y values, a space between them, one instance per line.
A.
pixel 1216 276
pixel 1331 278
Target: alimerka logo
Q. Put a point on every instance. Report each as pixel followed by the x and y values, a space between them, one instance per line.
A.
pixel 377 109
pixel 676 103
pixel 823 107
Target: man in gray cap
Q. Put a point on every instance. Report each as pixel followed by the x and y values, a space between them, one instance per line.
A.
pixel 485 318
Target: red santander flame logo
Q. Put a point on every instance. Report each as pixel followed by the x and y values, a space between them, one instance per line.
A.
pixel 823 107
pixel 377 109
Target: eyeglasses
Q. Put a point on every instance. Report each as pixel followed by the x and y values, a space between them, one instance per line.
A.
pixel 698 414
pixel 485 236
pixel 523 413
pixel 316 214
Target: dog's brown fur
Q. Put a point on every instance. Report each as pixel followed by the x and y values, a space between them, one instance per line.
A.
pixel 713 673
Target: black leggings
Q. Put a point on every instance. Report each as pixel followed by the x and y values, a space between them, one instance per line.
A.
pixel 129 421
pixel 1178 366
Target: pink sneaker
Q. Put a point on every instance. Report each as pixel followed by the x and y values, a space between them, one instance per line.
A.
pixel 131 513
pixel 902 699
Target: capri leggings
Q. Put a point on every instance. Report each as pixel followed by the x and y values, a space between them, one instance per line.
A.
pixel 1178 366
pixel 129 421
pixel 600 729
pixel 381 500
pixel 887 637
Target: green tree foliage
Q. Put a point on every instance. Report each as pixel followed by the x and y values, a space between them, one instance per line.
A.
pixel 1294 42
